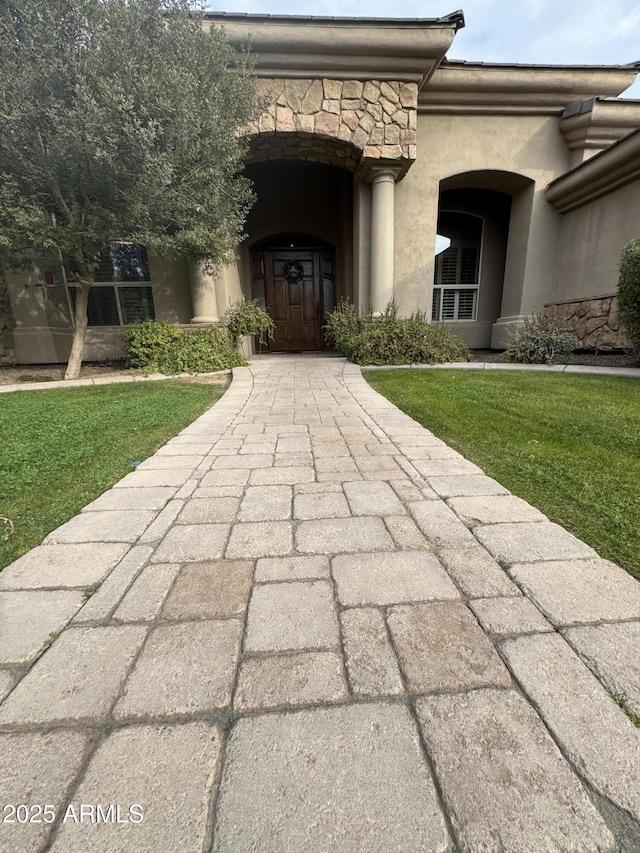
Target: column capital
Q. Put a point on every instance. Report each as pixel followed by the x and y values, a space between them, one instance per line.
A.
pixel 375 171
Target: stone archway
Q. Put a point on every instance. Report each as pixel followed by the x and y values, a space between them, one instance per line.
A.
pixel 369 120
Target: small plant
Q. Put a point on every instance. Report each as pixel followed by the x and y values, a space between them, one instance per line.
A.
pixel 629 291
pixel 91 590
pixel 621 702
pixel 343 324
pixel 160 347
pixel 248 318
pixel 390 339
pixel 543 339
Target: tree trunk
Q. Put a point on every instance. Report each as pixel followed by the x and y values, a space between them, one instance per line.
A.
pixel 80 333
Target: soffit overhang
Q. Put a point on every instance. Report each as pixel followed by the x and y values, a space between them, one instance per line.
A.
pixel 458 87
pixel 598 122
pixel 405 50
pixel 615 167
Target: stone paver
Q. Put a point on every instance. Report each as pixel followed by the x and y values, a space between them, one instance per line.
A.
pixel 7 680
pixel 505 784
pixel 276 629
pixel 530 542
pixel 296 615
pixel 395 578
pixel 209 511
pixel 266 503
pixel 22 636
pixel 591 729
pixel 132 499
pixel 147 479
pixel 476 572
pixel 440 525
pixel 305 678
pixel 463 485
pixel 496 509
pixel 104 526
pixel 206 590
pixel 371 662
pixel 372 498
pixel 351 535
pixel 321 505
pixel 35 769
pixel 612 653
pixel 62 566
pixel 576 591
pixel 321 780
pixel 291 568
pixel 192 543
pixel 144 600
pixel 251 540
pixel 171 778
pixel 78 678
pixel 111 591
pixel 508 616
pixel 184 668
pixel 442 647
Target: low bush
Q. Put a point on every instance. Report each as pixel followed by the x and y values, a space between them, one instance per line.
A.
pixel 161 348
pixel 629 291
pixel 248 318
pixel 543 339
pixel 344 324
pixel 390 339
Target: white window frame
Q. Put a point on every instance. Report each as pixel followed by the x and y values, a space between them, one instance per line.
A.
pixel 439 288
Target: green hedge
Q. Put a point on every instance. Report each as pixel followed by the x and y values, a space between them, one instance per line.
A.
pixel 629 291
pixel 161 348
pixel 390 339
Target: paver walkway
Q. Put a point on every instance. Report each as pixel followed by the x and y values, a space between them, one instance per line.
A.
pixel 315 627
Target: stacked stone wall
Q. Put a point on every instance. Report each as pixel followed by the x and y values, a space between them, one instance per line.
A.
pixel 336 121
pixel 7 325
pixel 595 321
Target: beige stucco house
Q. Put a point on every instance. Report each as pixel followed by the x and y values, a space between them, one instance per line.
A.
pixel 373 143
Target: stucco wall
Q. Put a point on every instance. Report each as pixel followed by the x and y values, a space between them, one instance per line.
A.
pixel 7 325
pixel 591 239
pixel 516 149
pixel 43 329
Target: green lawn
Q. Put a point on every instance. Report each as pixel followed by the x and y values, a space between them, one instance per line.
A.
pixel 569 445
pixel 61 448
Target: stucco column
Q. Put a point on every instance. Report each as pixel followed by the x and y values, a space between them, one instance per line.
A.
pixel 203 293
pixel 383 179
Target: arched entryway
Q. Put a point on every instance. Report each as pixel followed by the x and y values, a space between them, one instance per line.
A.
pixel 293 277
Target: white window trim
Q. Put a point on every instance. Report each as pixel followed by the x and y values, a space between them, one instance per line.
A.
pixel 458 287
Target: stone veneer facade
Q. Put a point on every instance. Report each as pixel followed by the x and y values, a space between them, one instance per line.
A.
pixel 338 122
pixel 595 322
pixel 7 325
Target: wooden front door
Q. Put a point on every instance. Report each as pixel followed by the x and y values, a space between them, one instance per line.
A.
pixel 292 297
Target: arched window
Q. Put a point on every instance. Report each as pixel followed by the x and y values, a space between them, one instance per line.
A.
pixel 457 270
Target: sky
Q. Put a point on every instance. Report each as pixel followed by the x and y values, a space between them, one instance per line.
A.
pixel 563 32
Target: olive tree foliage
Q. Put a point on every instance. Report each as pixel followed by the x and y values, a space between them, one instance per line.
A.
pixel 119 121
pixel 629 291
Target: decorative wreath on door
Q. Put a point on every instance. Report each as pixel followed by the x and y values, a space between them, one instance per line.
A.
pixel 292 271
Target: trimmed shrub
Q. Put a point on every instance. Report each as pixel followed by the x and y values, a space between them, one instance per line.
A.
pixel 544 339
pixel 629 291
pixel 390 339
pixel 246 318
pixel 343 325
pixel 161 348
